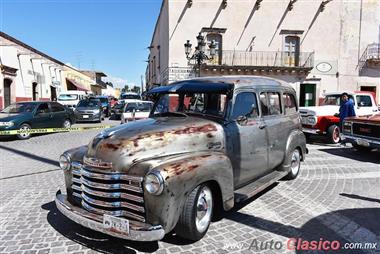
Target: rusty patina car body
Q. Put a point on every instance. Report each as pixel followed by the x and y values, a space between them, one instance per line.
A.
pixel 184 150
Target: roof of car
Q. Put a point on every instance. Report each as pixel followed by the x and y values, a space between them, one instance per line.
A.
pixel 134 101
pixel 219 84
pixel 34 102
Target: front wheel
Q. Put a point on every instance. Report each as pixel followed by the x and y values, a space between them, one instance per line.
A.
pixel 66 124
pixel 25 128
pixel 196 215
pixel 333 134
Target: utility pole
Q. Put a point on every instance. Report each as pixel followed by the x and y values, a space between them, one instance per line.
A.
pixel 142 84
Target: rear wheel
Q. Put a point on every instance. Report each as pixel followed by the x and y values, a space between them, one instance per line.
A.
pixel 294 160
pixel 333 134
pixel 196 215
pixel 25 128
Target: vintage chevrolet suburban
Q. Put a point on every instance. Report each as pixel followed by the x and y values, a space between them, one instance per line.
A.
pixel 209 143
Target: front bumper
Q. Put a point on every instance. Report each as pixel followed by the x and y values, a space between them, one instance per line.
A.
pixel 91 117
pixel 311 131
pixel 137 231
pixel 360 141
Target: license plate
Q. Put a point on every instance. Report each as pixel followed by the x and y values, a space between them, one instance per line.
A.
pixel 116 223
pixel 362 142
pixel 85 116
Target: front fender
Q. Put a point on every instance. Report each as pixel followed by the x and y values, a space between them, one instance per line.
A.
pixel 181 175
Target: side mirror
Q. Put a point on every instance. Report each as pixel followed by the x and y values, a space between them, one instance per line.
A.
pixel 241 119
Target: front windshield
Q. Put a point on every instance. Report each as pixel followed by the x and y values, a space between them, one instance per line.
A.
pixel 194 103
pixel 334 100
pixel 68 97
pixel 19 108
pixel 130 97
pixel 89 103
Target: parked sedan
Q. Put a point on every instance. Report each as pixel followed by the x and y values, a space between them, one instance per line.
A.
pixel 136 110
pixel 35 115
pixel 89 110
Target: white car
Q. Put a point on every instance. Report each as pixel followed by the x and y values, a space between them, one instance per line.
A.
pixel 71 98
pixel 135 110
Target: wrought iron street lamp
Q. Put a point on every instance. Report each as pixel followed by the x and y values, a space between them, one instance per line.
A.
pixel 199 54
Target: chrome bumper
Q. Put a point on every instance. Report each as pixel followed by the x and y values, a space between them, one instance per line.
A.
pixel 311 131
pixel 137 231
pixel 350 139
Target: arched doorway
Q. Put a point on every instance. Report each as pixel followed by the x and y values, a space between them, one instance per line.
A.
pixel 34 91
pixel 7 92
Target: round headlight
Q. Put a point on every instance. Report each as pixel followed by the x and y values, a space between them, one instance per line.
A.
pixel 64 162
pixel 312 120
pixel 154 183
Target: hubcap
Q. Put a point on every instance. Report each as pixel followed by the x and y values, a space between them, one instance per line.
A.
pixel 25 134
pixel 204 209
pixel 336 135
pixel 295 163
pixel 66 124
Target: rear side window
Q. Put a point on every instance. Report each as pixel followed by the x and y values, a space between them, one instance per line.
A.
pixel 56 107
pixel 270 103
pixel 364 101
pixel 289 103
pixel 130 107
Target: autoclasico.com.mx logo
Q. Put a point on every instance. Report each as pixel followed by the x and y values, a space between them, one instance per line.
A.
pixel 299 244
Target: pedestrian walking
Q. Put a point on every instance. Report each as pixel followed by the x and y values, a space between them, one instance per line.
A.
pixel 346 108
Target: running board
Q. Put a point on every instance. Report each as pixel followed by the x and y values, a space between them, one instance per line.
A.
pixel 257 186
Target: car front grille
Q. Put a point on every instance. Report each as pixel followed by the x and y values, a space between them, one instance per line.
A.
pixel 367 130
pixel 117 194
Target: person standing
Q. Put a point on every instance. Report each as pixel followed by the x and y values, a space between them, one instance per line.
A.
pixel 346 108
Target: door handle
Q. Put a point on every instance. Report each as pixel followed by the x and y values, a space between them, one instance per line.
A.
pixel 262 126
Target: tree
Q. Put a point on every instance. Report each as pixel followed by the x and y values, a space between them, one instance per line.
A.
pixel 125 89
pixel 135 89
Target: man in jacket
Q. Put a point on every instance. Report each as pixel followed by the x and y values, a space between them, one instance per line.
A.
pixel 346 108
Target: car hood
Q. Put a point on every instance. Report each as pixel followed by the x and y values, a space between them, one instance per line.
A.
pixel 326 110
pixel 153 138
pixel 6 117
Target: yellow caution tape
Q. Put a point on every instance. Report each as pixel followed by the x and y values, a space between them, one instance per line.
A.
pixel 51 130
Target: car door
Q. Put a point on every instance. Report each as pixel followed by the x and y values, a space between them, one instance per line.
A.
pixel 247 139
pixel 59 115
pixel 42 116
pixel 364 105
pixel 276 126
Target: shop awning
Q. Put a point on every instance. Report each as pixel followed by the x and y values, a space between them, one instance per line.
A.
pixel 77 85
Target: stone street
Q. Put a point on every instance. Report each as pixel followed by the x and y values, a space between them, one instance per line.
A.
pixel 335 197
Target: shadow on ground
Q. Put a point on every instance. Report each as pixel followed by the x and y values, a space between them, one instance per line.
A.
pixel 351 153
pixel 315 229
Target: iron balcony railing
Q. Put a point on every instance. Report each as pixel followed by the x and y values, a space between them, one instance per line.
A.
pixel 371 53
pixel 264 59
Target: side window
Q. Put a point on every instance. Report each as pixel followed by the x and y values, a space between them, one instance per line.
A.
pixel 274 103
pixel 245 105
pixel 364 101
pixel 130 107
pixel 264 104
pixel 289 103
pixel 56 107
pixel 43 108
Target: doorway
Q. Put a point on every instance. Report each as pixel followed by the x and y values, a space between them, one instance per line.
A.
pixel 307 95
pixel 7 92
pixel 217 38
pixel 53 93
pixel 292 50
pixel 34 91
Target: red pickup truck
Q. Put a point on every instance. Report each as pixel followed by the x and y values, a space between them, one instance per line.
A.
pixel 322 120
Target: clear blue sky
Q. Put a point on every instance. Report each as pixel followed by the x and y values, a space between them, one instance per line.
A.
pixel 107 35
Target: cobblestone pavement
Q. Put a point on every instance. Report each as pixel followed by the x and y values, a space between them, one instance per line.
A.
pixel 335 197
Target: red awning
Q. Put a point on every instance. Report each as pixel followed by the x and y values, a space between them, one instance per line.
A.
pixel 78 86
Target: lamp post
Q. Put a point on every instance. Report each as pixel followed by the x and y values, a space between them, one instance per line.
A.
pixel 199 54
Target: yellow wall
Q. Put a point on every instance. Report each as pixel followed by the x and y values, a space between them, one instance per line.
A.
pixel 77 76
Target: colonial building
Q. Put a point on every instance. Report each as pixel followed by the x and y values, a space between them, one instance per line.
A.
pixel 97 83
pixel 74 79
pixel 26 73
pixel 317 45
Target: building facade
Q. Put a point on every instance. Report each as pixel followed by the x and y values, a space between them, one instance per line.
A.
pixel 318 46
pixel 27 74
pixel 98 85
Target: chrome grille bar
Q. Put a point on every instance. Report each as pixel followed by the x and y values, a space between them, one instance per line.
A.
pixel 114 213
pixel 116 204
pixel 110 194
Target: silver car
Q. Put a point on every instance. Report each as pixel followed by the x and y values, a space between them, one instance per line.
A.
pixel 208 144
